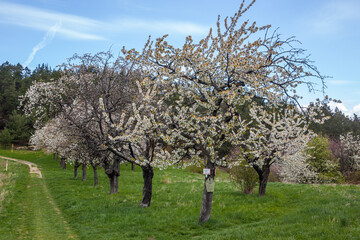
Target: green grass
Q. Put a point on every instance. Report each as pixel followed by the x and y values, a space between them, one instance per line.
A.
pixel 288 211
pixel 28 210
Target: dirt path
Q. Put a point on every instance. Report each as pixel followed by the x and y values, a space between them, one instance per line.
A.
pixel 33 167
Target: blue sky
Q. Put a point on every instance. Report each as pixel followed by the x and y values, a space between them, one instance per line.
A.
pixel 49 31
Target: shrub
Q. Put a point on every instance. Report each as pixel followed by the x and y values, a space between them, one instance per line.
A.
pixel 323 162
pixel 245 177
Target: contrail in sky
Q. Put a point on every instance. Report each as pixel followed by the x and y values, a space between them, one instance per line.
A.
pixel 45 41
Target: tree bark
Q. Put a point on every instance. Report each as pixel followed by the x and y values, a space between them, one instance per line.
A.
pixel 76 166
pixel 114 186
pixel 63 163
pixel 148 174
pixel 206 205
pixel 207 197
pixel 263 173
pixel 84 171
pixel 263 180
pixel 95 174
pixel 113 172
pixel 76 171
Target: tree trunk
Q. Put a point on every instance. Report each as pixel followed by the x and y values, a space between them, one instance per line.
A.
pixel 132 166
pixel 207 195
pixel 76 166
pixel 75 171
pixel 84 171
pixel 95 174
pixel 54 157
pixel 263 173
pixel 148 174
pixel 113 172
pixel 263 180
pixel 63 163
pixel 113 184
pixel 206 205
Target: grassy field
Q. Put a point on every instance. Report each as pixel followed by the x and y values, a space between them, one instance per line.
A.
pixel 60 207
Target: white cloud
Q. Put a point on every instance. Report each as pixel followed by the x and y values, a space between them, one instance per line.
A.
pixel 340 82
pixel 335 15
pixel 72 26
pixel 356 109
pixel 45 41
pixel 77 27
pixel 163 27
pixel 340 106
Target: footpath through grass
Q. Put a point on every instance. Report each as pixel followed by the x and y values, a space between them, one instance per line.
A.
pixel 28 210
pixel 288 211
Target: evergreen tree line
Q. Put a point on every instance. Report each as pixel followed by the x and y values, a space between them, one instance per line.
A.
pixel 338 124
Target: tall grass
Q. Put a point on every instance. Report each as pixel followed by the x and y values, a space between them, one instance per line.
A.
pixel 288 211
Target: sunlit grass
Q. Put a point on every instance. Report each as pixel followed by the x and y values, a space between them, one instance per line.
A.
pixel 28 210
pixel 288 211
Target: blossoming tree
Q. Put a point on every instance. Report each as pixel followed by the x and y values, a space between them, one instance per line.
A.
pixel 54 137
pixel 75 96
pixel 136 135
pixel 189 101
pixel 276 135
pixel 211 79
pixel 351 149
pixel 294 168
